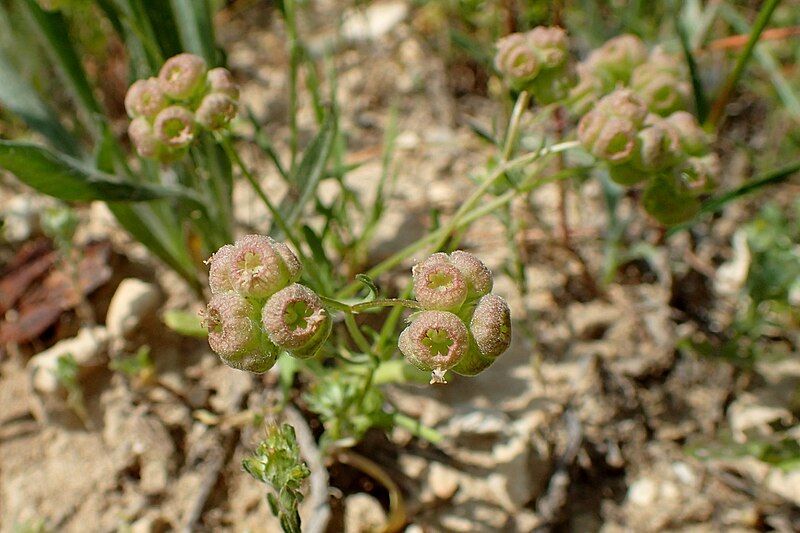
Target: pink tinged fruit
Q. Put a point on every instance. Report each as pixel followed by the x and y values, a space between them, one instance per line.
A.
pixel 216 111
pixel 145 98
pixel 476 273
pixel 220 268
pixel 182 76
pixel 434 341
pixel 438 284
pixel 174 127
pixel 295 320
pixel 220 81
pixel 140 132
pixel 258 270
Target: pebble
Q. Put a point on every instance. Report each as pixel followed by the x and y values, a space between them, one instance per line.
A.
pixel 133 300
pixel 85 348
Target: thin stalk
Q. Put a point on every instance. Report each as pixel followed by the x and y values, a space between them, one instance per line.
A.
pixel 440 236
pixel 355 332
pixel 417 428
pixel 295 56
pixel 760 24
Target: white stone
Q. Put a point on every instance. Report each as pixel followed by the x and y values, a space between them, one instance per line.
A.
pixel 374 21
pixel 363 513
pixel 643 492
pixel 132 301
pixel 86 348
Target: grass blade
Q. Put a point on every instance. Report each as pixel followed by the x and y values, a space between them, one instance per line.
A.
pixel 21 99
pixel 700 99
pixel 193 21
pixel 716 204
pixel 764 14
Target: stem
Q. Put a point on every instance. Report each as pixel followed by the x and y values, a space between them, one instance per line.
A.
pixel 441 235
pixel 385 302
pixel 741 62
pixel 355 332
pixel 417 428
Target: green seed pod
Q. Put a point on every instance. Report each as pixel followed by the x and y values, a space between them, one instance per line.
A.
pixel 516 59
pixel 661 83
pixel 220 81
pixel 609 130
pixel 182 76
pixel 438 284
pixel 584 95
pixel 295 320
pixel 216 111
pixel 290 260
pixel 627 175
pixel 235 335
pixel 669 201
pixel 615 61
pixel 258 269
pixel 553 85
pixel 174 127
pixel 694 141
pixel 435 341
pixel 477 275
pixel 551 45
pixel 142 137
pixel 702 173
pixel 490 334
pixel 220 269
pixel 145 98
pixel 657 146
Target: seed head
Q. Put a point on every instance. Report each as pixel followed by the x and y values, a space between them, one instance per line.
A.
pixel 434 341
pixel 174 127
pixel 551 44
pixel 516 58
pixel 234 333
pixel 615 60
pixel 609 130
pixel 182 76
pixel 216 111
pixel 140 132
pixel 438 284
pixel 476 273
pixel 145 98
pixel 660 83
pixel 295 320
pixel 669 200
pixel 220 269
pixel 259 269
pixel 491 325
pixel 220 81
pixel 657 147
pixel 702 173
pixel 694 141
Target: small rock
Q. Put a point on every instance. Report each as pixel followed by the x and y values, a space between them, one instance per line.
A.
pixel 363 513
pixel 785 484
pixel 443 481
pixel 132 301
pixel 374 21
pixel 485 423
pixel 643 491
pixel 85 348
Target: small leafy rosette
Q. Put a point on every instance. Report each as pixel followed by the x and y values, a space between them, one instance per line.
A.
pixel 295 320
pixel 256 266
pixel 435 341
pixel 609 130
pixel 490 335
pixel 234 333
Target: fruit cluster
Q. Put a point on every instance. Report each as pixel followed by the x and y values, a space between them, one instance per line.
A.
pixel 167 110
pixel 670 154
pixel 537 61
pixel 462 326
pixel 257 308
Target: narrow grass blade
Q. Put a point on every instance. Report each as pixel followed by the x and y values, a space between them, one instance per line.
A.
pixel 700 99
pixel 193 21
pixel 764 15
pixel 21 99
pixel 716 204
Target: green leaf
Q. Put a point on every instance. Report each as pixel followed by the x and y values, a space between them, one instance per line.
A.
pixel 700 100
pixel 68 179
pixel 55 32
pixel 21 99
pixel 312 167
pixel 186 323
pixel 193 20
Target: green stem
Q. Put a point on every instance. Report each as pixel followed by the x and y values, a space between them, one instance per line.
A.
pixel 355 332
pixel 759 25
pixel 440 236
pixel 385 302
pixel 417 428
